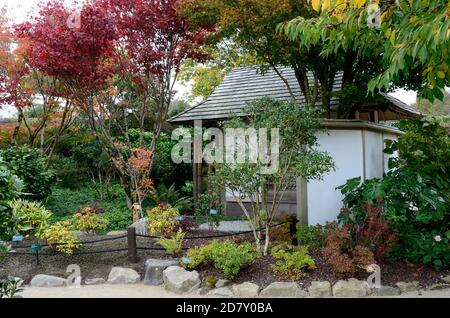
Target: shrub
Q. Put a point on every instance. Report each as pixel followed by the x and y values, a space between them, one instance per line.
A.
pixel 29 216
pixel 61 237
pixel 344 256
pixel 292 261
pixel 170 196
pixel 10 187
pixel 173 245
pixel 414 195
pixel 4 249
pixel 29 165
pixel 118 217
pixel 162 219
pixel 87 220
pixel 314 236
pixel 374 233
pixel 226 256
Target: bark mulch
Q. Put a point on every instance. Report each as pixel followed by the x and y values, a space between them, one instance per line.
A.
pixel 259 272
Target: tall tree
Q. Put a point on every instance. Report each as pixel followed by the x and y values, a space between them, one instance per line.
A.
pixel 411 37
pixel 120 62
pixel 253 25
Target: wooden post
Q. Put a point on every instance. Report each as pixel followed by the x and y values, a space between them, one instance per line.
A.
pixel 132 250
pixel 293 229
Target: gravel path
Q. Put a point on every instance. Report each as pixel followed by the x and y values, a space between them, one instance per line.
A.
pixel 143 291
pixel 102 291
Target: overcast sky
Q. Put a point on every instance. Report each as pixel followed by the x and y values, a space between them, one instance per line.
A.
pixel 19 10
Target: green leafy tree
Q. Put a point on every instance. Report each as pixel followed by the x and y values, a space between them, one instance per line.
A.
pixel 411 37
pixel 298 157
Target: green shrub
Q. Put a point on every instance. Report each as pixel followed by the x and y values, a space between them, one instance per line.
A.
pixel 10 187
pixel 87 220
pixel 29 216
pixel 118 217
pixel 314 235
pixel 61 237
pixel 4 249
pixel 226 256
pixel 162 220
pixel 414 195
pixel 29 165
pixel 173 245
pixel 170 196
pixel 292 262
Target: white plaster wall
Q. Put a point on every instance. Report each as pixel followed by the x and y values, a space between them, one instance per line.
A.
pixel 373 146
pixel 345 146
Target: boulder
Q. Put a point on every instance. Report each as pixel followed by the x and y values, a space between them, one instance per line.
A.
pixel 140 226
pixel 94 281
pixel 446 279
pixel 178 280
pixel 320 289
pixel 120 275
pixel 386 291
pixel 116 233
pixel 222 292
pixel 47 281
pixel 283 289
pixel 246 290
pixel 438 286
pixel 154 269
pixel 222 283
pixel 406 287
pixel 351 288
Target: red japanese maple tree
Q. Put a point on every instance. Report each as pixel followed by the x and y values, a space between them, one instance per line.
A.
pixel 121 60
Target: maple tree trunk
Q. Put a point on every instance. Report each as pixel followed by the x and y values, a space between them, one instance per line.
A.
pixel 20 117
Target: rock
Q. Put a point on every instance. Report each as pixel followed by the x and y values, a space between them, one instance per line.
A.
pixel 204 290
pixel 222 283
pixel 320 289
pixel 438 286
pixel 47 281
pixel 140 226
pixel 94 281
pixel 222 292
pixel 246 290
pixel 120 275
pixel 283 289
pixel 351 288
pixel 406 287
pixel 179 280
pixel 446 279
pixel 154 270
pixel 116 233
pixel 386 291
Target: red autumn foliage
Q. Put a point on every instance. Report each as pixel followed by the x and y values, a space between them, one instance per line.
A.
pixel 15 89
pixel 375 233
pixel 344 256
pixel 78 55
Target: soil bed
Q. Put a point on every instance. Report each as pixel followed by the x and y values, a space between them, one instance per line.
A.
pixel 260 272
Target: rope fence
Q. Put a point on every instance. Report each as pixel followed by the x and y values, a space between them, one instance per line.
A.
pixel 132 247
